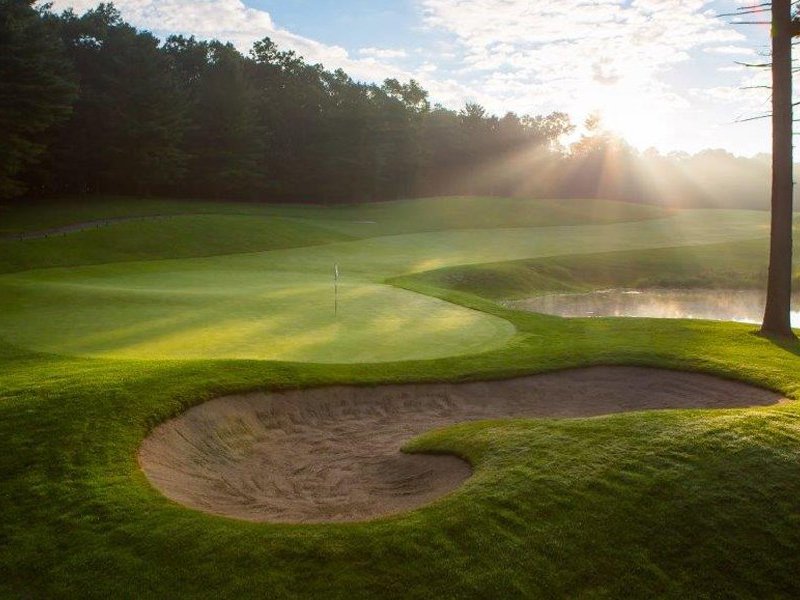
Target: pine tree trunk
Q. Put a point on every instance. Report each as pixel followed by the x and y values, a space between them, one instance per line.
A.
pixel 779 285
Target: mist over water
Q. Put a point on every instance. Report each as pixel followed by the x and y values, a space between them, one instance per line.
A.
pixel 743 306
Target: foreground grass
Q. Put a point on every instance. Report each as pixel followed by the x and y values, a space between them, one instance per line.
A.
pixel 671 503
pixel 677 503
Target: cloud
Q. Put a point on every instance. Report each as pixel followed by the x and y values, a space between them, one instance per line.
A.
pixel 632 57
pixel 564 53
pixel 383 53
pixel 233 21
pixel 730 50
pixel 604 72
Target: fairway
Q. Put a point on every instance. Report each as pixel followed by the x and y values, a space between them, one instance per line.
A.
pixel 424 300
pixel 110 334
pixel 279 304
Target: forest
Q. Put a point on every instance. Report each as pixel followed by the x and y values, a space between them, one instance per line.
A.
pixel 91 105
pixel 269 330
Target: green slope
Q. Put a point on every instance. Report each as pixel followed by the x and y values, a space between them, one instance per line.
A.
pixel 379 218
pixel 154 239
pixel 675 504
pixel 278 304
pixel 670 504
pixel 732 265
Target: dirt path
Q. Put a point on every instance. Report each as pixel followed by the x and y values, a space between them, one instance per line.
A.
pixel 332 454
pixel 76 227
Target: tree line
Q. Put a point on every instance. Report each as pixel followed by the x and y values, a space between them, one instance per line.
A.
pixel 91 105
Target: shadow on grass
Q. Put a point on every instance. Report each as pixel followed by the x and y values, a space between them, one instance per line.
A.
pixel 791 345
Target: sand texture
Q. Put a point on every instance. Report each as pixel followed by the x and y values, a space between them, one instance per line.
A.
pixel 333 454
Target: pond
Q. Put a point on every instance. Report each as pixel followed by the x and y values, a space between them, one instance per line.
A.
pixel 744 306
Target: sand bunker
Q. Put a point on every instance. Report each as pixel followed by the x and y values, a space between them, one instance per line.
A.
pixel 333 454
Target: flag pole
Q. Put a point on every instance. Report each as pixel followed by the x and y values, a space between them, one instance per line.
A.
pixel 335 289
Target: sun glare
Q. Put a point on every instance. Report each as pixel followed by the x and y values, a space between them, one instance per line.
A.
pixel 630 115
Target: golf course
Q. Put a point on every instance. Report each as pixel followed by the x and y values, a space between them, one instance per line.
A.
pixel 225 399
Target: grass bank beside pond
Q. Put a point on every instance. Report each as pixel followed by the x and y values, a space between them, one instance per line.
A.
pixel 675 503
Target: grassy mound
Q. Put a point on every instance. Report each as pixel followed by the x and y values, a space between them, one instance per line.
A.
pixel 671 503
pixel 176 236
pixel 107 230
pixel 377 218
pixel 738 265
pixel 277 304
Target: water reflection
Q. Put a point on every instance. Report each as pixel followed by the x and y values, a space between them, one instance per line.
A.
pixel 744 306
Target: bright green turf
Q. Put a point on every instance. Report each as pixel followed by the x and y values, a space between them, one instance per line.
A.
pixel 363 220
pixel 174 237
pixel 224 313
pixel 740 264
pixel 666 504
pixel 279 304
pixel 448 213
pixel 190 229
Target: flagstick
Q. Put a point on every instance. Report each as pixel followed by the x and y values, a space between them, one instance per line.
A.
pixel 335 289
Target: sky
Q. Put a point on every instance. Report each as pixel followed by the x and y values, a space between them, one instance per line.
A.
pixel 661 73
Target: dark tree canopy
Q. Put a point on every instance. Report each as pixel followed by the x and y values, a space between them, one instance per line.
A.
pixel 90 104
pixel 36 88
pixel 105 108
pixel 128 123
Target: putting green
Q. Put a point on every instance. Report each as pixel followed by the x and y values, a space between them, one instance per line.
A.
pixel 208 314
pixel 278 304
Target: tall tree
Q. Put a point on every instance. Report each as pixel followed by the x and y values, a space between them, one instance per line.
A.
pixel 193 117
pixel 125 132
pixel 225 141
pixel 779 285
pixel 36 88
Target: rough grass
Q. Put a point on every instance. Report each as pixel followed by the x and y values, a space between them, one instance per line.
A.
pixel 700 503
pixel 97 232
pixel 670 504
pixel 378 218
pixel 176 236
pixel 739 265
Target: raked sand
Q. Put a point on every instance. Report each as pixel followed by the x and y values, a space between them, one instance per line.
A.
pixel 333 454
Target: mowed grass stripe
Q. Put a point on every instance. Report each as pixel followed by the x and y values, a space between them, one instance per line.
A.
pixel 365 219
pixel 172 237
pixel 239 228
pixel 741 265
pixel 386 256
pixel 278 305
pixel 291 320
